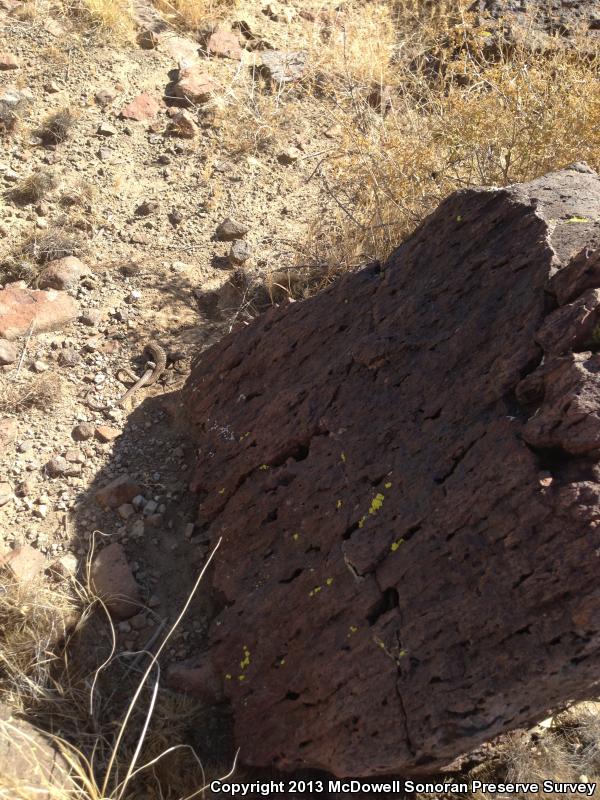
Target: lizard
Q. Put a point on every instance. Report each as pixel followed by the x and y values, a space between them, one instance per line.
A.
pixel 154 369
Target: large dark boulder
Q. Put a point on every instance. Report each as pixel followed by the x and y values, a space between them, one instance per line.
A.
pixel 404 471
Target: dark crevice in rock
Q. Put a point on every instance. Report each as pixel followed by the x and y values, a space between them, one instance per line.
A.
pixel 295 574
pixel 389 600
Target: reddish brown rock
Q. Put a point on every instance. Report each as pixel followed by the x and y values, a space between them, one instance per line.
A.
pixel 141 109
pixel 122 490
pixel 20 306
pixel 224 42
pixel 194 85
pixel 105 433
pixel 407 489
pixel 64 274
pixel 199 681
pixel 114 583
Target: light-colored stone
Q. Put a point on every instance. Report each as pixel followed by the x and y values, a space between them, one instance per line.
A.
pixel 29 762
pixel 8 62
pixel 8 434
pixel 240 252
pixel 106 129
pixel 284 66
pixel 184 51
pixel 8 352
pixel 6 493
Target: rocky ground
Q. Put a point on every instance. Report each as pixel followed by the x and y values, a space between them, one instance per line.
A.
pixel 132 192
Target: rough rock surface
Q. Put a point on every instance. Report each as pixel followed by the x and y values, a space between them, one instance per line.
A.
pixel 29 765
pixel 114 583
pixel 20 306
pixel 142 108
pixel 194 85
pixel 63 274
pixel 407 489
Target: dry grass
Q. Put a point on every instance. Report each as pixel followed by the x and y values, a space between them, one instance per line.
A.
pixel 81 194
pixel 34 188
pixel 106 19
pixel 25 392
pixel 56 127
pixel 195 15
pixel 462 114
pixel 121 736
pixel 48 245
pixel 35 617
pixel 565 749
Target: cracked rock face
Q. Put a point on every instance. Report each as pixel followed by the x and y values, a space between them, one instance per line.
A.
pixel 404 473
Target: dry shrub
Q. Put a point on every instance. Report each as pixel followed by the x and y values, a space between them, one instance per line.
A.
pixel 354 43
pixel 56 127
pixel 195 14
pixel 34 188
pixel 35 617
pixel 565 749
pixel 80 194
pixel 49 245
pixel 122 736
pixel 9 120
pixel 463 113
pixel 41 391
pixel 112 19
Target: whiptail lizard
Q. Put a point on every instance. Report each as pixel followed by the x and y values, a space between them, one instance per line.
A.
pixel 155 369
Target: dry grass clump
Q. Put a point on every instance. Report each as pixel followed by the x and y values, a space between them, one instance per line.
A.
pixel 81 194
pixel 462 113
pixel 353 44
pixel 9 120
pixel 50 244
pixel 41 391
pixel 194 14
pixel 34 187
pixel 122 736
pixel 35 617
pixel 565 750
pixel 56 127
pixel 103 18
